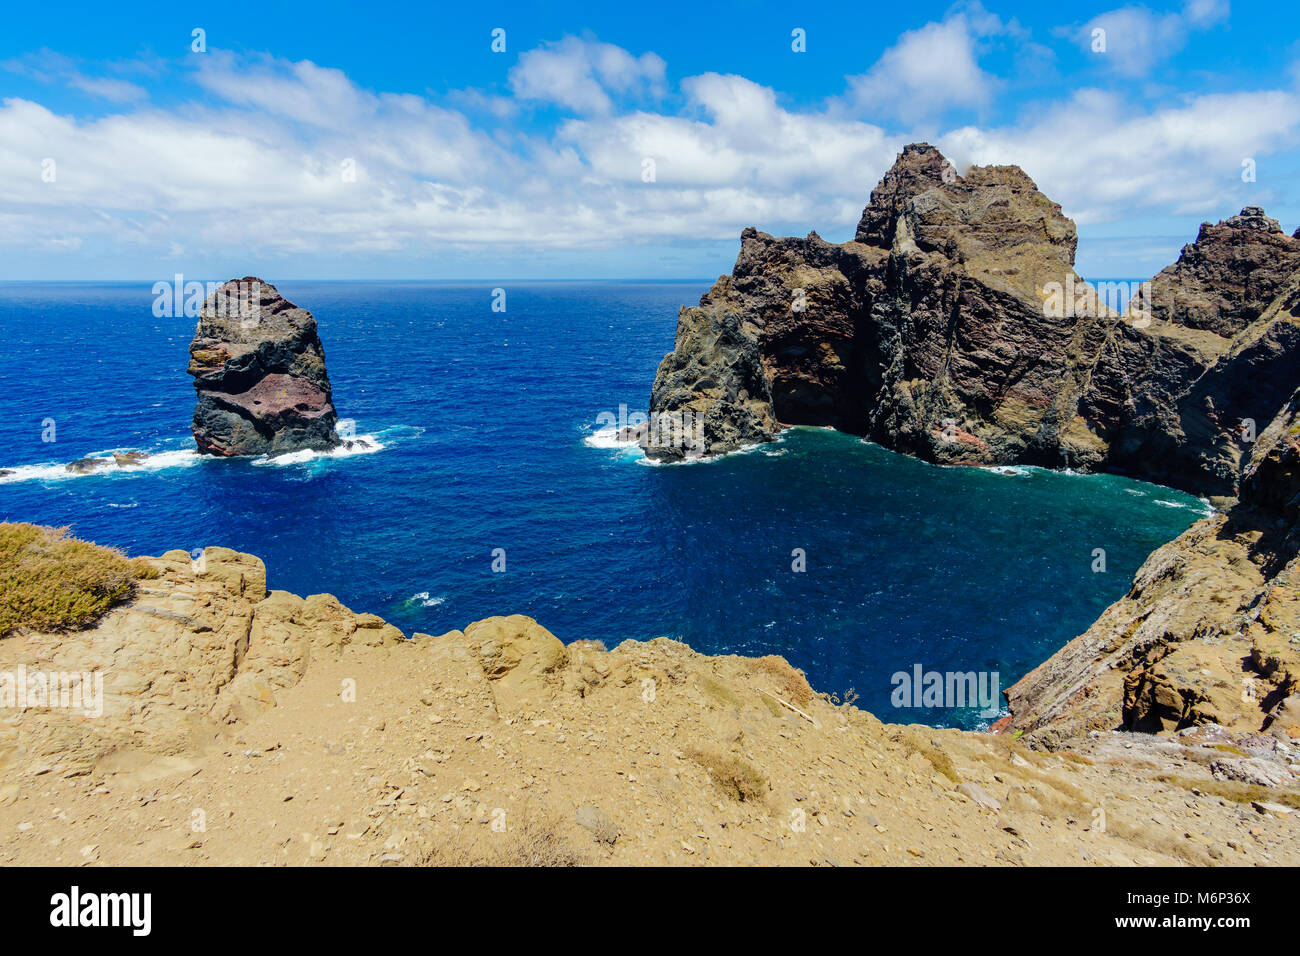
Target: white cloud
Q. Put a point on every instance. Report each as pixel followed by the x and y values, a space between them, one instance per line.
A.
pixel 1101 159
pixel 264 166
pixel 930 70
pixel 303 91
pixel 749 160
pixel 1134 38
pixel 580 74
pixel 46 66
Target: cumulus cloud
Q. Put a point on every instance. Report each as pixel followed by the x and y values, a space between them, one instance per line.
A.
pixel 1101 159
pixel 285 157
pixel 1132 40
pixel 580 74
pixel 744 138
pixel 930 69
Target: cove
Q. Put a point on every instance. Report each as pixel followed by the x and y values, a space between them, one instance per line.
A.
pixel 483 422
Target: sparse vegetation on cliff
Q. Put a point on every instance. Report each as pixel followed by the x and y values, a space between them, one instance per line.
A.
pixel 50 581
pixel 737 777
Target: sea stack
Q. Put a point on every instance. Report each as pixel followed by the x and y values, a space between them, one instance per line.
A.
pixel 259 370
pixel 953 327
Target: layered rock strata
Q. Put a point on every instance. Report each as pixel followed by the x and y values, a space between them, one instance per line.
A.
pixel 954 327
pixel 259 371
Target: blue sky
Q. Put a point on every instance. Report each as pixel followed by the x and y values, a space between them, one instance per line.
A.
pixel 372 141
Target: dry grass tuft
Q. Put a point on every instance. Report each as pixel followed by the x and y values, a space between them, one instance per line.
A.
pixel 532 838
pixel 1073 757
pixel 719 691
pixel 916 742
pixel 1234 790
pixel 738 778
pixel 52 582
pixel 792 684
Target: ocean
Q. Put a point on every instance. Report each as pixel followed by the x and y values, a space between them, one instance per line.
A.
pixel 491 453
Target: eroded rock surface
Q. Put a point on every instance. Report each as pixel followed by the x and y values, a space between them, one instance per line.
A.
pixel 1209 633
pixel 954 327
pixel 1232 272
pixel 259 370
pixel 199 648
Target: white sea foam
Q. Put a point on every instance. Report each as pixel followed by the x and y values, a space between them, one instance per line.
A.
pixel 983 725
pixel 709 459
pixel 608 438
pixel 422 598
pixel 360 445
pixel 184 458
pixel 58 471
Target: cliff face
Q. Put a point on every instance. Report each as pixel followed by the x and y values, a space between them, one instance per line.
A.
pixel 1209 633
pixel 954 327
pixel 1181 402
pixel 259 371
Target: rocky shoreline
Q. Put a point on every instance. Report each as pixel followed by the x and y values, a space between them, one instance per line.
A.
pixel 954 328
pixel 233 724
pixel 1209 633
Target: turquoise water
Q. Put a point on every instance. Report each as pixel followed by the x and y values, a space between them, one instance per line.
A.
pixel 486 422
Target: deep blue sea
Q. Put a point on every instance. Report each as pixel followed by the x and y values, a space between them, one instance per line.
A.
pixel 486 422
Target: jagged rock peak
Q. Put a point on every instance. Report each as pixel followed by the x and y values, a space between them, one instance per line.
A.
pixel 1226 278
pixel 919 167
pixel 990 209
pixel 1252 217
pixel 259 371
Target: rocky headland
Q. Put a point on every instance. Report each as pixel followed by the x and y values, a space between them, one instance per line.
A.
pixel 259 371
pixel 953 327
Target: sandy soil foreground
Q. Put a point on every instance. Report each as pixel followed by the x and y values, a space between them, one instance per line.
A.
pixel 253 728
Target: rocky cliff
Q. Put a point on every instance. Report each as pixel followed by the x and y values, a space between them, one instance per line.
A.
pixel 238 725
pixel 1208 635
pixel 954 327
pixel 259 370
pixel 1227 278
